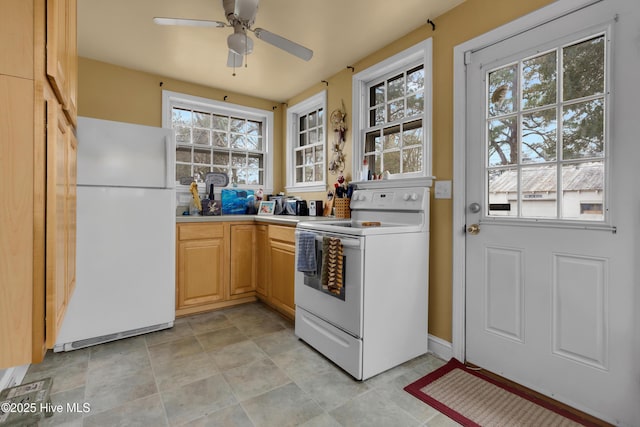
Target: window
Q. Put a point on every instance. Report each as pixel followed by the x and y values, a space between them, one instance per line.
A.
pixel 546 140
pixel 306 134
pixel 212 136
pixel 392 115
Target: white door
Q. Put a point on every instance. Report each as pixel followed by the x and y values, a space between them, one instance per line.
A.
pixel 549 264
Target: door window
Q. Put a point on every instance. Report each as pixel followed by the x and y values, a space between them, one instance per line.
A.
pixel 545 134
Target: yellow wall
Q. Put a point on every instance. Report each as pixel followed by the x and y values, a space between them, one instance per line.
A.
pixel 110 92
pixel 471 19
pixel 115 93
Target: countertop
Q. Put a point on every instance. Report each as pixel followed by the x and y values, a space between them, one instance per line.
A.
pixel 291 220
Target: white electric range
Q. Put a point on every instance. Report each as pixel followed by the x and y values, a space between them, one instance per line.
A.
pixel 378 320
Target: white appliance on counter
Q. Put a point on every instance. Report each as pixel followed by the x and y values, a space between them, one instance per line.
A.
pixel 125 274
pixel 378 320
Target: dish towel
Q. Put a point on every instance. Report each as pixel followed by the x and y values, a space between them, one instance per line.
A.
pixel 331 276
pixel 306 249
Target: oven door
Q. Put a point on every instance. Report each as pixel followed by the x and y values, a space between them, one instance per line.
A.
pixel 343 309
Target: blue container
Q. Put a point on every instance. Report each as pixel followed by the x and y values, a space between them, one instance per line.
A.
pixel 237 202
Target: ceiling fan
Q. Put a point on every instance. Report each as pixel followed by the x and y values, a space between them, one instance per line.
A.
pixel 241 15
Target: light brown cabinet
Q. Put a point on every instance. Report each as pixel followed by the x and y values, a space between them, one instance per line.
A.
pixel 37 167
pixel 243 259
pixel 278 262
pixel 262 245
pixel 206 278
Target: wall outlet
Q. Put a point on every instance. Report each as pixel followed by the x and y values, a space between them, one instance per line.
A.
pixel 442 190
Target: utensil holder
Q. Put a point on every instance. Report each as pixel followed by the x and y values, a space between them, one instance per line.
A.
pixel 341 206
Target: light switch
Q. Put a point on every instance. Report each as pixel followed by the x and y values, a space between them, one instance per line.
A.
pixel 442 190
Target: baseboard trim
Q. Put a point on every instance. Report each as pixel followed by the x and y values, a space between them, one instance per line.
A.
pixel 440 347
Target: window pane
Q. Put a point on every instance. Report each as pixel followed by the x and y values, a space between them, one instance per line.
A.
pixel 308 156
pixel 237 125
pixel 182 171
pixel 539 138
pixel 183 154
pixel 220 139
pixel 503 142
pixel 302 140
pixel 320 117
pixel 376 95
pixel 259 144
pixel 299 158
pixel 373 142
pixel 255 161
pixel 396 110
pixel 412 159
pixel 220 158
pixel 583 69
pixel 299 174
pixel 183 135
pixel 238 160
pixel 303 123
pixel 313 136
pixel 312 120
pixel 199 172
pixel 254 128
pixel 308 174
pixel 503 192
pixel 220 122
pixel 582 191
pixel 539 81
pixel 415 79
pixel 238 141
pixel 539 188
pixel 391 161
pixel 412 134
pixel 395 87
pixel 319 152
pixel 583 130
pixel 201 136
pixel 318 172
pixel 376 116
pixel 501 93
pixel 320 135
pixel 202 156
pixel 392 137
pixel 415 104
pixel 202 120
pixel 180 117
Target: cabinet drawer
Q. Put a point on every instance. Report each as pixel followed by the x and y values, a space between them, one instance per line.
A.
pixel 286 234
pixel 200 231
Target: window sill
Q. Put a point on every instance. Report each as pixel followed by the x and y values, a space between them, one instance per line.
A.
pixel 307 188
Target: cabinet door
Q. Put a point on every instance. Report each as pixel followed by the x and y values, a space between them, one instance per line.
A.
pixel 57 48
pixel 262 259
pixel 201 272
pixel 243 251
pixel 58 137
pixel 282 265
pixel 16 33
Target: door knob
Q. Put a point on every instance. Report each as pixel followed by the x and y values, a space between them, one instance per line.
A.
pixel 473 229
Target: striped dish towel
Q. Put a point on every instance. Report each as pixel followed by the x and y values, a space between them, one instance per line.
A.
pixel 306 250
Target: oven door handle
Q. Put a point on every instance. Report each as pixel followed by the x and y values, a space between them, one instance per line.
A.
pixel 345 243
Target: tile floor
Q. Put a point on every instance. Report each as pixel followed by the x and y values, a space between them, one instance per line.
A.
pixel 241 366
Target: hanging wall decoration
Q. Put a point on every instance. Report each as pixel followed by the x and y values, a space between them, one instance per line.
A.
pixel 337 119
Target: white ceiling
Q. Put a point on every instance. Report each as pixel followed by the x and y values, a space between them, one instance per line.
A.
pixel 340 32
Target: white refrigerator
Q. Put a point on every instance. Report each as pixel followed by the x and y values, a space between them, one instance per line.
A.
pixel 125 274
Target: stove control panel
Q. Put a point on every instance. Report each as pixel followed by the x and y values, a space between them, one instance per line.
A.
pixel 413 199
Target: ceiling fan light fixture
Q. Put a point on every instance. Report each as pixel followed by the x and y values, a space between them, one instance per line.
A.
pixel 240 43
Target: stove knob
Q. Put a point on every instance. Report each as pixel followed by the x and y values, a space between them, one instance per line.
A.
pixel 406 197
pixel 414 197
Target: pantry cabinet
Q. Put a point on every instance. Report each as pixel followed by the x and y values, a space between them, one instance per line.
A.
pixel 206 278
pixel 38 171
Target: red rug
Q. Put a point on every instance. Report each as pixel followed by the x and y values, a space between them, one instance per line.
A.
pixel 473 399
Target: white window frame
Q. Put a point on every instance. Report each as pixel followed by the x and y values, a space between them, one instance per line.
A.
pixel 174 99
pixel 310 104
pixel 420 53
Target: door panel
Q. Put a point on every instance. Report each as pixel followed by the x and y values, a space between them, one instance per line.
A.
pixel 549 284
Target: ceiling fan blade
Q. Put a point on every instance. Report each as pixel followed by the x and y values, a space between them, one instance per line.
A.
pixel 284 44
pixel 234 60
pixel 189 22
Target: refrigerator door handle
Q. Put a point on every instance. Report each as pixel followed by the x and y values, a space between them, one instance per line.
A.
pixel 170 165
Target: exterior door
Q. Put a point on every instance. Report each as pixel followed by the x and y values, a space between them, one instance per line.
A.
pixel 549 276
